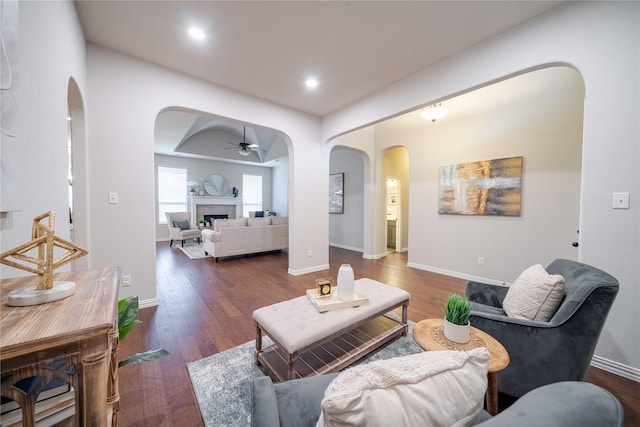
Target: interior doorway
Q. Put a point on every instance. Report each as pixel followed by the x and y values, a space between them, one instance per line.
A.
pixel 393 214
pixel 395 193
pixel 76 145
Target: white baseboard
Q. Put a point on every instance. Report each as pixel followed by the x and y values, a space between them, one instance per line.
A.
pixel 349 248
pixel 308 270
pixel 148 303
pixel 376 256
pixel 617 368
pixel 455 274
pixel 365 256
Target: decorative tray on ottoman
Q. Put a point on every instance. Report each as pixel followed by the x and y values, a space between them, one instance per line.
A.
pixel 332 302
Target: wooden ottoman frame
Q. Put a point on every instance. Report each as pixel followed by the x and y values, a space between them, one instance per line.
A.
pixel 307 342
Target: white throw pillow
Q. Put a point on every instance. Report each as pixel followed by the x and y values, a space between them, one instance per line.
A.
pixel 535 295
pixel 433 388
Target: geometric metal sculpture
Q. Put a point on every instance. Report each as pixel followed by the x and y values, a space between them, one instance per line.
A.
pixel 44 239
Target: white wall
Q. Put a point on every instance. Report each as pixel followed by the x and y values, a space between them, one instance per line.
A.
pixel 126 96
pixel 199 169
pixel 50 52
pixel 345 230
pixel 540 119
pixel 601 40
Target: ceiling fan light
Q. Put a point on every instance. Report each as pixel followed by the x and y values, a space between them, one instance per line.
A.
pixel 434 112
pixel 244 152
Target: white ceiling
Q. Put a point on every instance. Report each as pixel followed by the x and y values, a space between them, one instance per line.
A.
pixel 267 49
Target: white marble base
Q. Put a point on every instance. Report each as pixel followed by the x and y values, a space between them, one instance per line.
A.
pixel 32 296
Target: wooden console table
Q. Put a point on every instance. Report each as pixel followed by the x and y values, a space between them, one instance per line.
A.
pixel 75 339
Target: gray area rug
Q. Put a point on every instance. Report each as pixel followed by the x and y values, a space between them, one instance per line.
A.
pixel 193 250
pixel 222 382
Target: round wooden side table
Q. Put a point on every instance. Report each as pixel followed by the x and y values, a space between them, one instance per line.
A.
pixel 429 335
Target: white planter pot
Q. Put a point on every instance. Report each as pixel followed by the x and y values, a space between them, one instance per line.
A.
pixel 346 285
pixel 457 333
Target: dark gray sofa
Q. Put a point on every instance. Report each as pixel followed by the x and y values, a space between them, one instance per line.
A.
pixel 547 352
pixel 296 403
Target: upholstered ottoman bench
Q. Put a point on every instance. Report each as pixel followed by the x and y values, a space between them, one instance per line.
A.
pixel 307 342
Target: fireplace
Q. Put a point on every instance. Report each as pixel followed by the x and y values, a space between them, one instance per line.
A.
pixel 208 219
pixel 219 207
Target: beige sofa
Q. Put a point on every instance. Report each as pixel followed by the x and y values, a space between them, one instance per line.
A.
pixel 242 236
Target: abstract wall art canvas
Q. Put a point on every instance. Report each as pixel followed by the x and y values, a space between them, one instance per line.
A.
pixel 486 187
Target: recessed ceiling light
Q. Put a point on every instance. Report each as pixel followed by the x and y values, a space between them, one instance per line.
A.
pixel 311 83
pixel 196 33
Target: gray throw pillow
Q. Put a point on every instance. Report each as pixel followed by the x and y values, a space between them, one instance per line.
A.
pixel 182 225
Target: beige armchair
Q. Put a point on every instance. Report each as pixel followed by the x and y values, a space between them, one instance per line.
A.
pixel 179 227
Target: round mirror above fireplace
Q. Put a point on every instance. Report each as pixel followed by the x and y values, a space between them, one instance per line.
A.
pixel 216 185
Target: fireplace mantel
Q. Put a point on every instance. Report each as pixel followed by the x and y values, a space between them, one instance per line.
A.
pixel 205 201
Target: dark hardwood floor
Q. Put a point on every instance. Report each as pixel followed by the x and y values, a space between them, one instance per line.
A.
pixel 205 308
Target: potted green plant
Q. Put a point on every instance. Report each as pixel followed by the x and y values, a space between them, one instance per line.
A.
pixel 456 319
pixel 127 319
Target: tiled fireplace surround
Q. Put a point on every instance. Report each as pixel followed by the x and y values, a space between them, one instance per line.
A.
pixel 201 206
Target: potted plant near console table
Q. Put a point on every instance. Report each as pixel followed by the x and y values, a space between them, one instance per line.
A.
pixel 456 320
pixel 128 318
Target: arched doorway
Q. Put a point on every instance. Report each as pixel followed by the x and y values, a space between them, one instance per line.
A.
pixel 395 194
pixel 77 152
pixel 343 232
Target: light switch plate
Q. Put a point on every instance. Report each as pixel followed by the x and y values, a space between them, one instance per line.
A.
pixel 620 201
pixel 113 198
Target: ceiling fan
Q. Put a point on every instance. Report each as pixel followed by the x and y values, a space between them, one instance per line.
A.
pixel 245 148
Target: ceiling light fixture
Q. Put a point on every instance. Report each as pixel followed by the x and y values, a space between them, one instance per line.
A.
pixel 311 83
pixel 244 152
pixel 434 112
pixel 196 33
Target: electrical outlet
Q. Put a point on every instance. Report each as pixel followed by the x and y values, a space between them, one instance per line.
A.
pixel 310 253
pixel 480 260
pixel 126 281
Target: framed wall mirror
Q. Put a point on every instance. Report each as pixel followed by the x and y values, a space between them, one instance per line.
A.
pixel 216 185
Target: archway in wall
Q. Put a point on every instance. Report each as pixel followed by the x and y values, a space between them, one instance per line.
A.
pixel 205 144
pixel 77 149
pixel 347 225
pixel 537 115
pixel 394 194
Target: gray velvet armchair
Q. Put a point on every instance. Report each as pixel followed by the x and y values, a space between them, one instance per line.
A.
pixel 547 352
